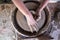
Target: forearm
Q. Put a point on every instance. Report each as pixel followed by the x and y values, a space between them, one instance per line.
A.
pixel 20 5
pixel 43 5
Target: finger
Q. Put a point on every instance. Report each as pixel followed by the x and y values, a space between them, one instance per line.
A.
pixel 37 24
pixel 36 27
pixel 39 17
pixel 31 28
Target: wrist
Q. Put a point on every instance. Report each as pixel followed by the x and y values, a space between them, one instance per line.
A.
pixel 30 15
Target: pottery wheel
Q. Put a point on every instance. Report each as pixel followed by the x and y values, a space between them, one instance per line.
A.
pixel 21 20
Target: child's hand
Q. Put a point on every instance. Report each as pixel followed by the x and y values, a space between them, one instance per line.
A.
pixel 32 23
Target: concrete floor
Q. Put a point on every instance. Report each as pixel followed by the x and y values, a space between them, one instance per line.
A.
pixel 7 31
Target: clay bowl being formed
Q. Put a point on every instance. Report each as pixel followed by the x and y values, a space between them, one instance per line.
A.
pixel 20 23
